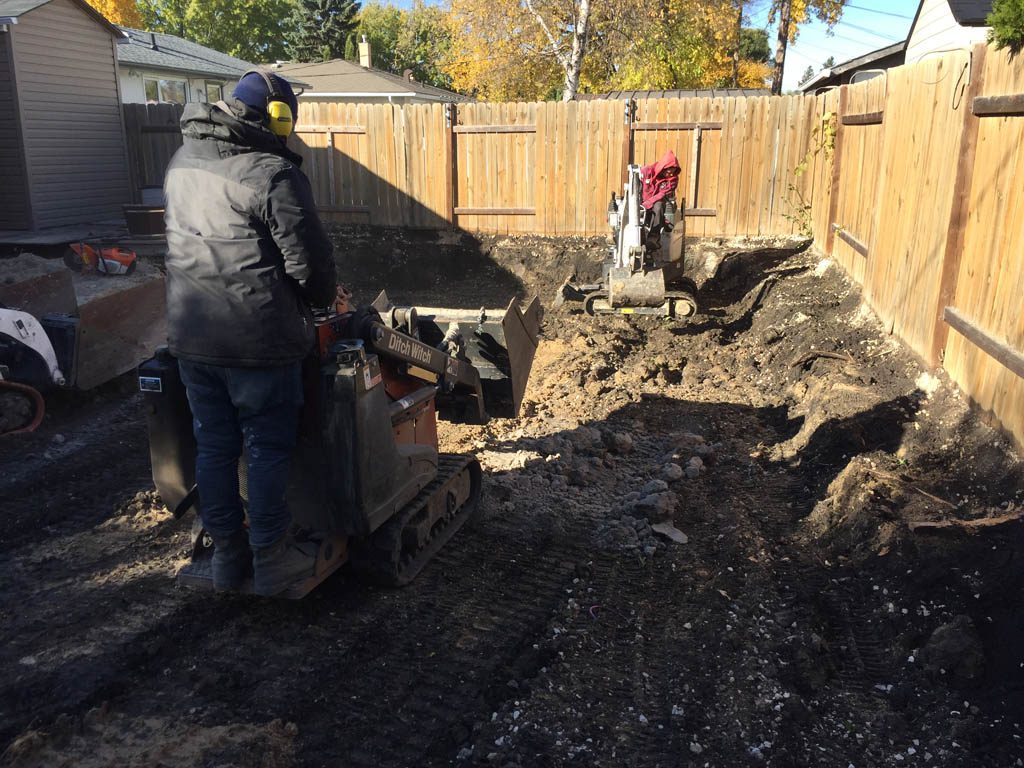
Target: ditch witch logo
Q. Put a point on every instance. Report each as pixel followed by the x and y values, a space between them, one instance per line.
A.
pixel 408 348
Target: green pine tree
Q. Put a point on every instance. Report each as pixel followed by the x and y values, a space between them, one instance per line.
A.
pixel 1007 22
pixel 320 29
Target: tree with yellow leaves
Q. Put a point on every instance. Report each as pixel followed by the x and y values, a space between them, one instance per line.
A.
pixel 537 49
pixel 123 12
pixel 791 14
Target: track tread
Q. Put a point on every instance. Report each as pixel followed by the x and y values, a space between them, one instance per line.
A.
pixel 379 559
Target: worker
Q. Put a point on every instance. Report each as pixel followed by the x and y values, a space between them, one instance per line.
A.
pixel 247 258
pixel 660 181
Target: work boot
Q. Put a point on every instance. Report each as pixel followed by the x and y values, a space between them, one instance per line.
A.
pixel 282 564
pixel 232 562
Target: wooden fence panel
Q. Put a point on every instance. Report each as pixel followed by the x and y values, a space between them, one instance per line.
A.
pixel 923 123
pixel 153 135
pixel 496 167
pixel 861 163
pixel 990 285
pixel 548 168
pixel 815 184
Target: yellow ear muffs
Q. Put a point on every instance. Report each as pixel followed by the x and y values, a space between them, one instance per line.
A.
pixel 279 119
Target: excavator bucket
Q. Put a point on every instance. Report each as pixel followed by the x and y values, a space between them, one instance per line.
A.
pixel 500 344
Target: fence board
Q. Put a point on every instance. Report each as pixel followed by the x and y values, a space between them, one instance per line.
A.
pixel 991 276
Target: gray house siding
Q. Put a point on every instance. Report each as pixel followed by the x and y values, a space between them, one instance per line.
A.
pixel 14 210
pixel 70 115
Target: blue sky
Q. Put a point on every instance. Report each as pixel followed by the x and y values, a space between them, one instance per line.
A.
pixel 866 25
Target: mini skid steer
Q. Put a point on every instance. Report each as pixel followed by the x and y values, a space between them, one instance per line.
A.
pixel 368 484
pixel 639 270
pixel 34 354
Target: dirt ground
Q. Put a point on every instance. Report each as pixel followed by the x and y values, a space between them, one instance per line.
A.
pixel 697 547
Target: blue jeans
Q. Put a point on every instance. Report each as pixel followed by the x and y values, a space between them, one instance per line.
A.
pixel 259 406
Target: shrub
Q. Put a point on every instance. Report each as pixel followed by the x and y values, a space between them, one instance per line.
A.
pixel 1007 22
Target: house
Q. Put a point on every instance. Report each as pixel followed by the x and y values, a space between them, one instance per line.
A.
pixel 941 25
pixel 154 67
pixel 62 142
pixel 938 25
pixel 859 68
pixel 345 81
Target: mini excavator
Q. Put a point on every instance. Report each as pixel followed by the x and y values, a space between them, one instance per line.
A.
pixel 640 268
pixel 368 484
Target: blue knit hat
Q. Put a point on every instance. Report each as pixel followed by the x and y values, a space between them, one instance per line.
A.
pixel 252 89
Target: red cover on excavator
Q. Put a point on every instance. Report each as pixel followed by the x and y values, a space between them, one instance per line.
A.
pixel 660 179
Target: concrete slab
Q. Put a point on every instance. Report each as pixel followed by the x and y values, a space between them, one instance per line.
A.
pixel 57 236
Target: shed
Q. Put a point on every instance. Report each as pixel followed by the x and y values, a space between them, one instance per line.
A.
pixel 62 147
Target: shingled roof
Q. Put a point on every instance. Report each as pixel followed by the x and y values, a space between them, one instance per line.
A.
pixel 12 9
pixel 338 77
pixel 155 50
pixel 970 13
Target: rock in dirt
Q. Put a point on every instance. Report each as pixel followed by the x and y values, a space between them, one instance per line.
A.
pixel 672 472
pixel 955 649
pixel 622 443
pixel 670 532
pixel 656 506
pixel 654 486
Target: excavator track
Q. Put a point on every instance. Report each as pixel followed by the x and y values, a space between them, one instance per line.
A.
pixel 396 553
pixel 21 408
pixel 678 304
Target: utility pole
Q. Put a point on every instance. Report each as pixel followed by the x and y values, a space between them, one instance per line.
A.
pixel 780 51
pixel 736 47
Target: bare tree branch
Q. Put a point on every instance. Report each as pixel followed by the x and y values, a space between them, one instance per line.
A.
pixel 556 47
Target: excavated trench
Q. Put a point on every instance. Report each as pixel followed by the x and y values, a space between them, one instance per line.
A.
pixel 802 622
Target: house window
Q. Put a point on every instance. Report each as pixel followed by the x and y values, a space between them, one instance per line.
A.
pixel 214 92
pixel 172 91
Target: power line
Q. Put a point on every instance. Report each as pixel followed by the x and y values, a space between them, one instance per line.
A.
pixel 868 31
pixel 880 13
pixel 871 44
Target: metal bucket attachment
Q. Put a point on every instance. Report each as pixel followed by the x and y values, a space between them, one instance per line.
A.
pixel 628 288
pixel 500 344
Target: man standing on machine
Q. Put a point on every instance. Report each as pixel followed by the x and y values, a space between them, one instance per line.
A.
pixel 247 259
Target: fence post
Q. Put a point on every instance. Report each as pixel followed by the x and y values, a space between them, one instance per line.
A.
pixel 837 163
pixel 133 135
pixel 627 138
pixel 451 117
pixel 961 200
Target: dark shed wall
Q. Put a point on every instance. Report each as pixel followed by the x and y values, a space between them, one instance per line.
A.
pixel 71 115
pixel 14 208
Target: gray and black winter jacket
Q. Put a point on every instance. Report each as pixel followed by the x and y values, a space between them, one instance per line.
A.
pixel 247 254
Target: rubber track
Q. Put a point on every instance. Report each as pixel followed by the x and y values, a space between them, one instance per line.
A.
pixel 379 560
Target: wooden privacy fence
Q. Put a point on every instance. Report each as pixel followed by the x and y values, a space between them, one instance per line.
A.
pixel 549 168
pixel 926 211
pixel 911 181
pixel 153 135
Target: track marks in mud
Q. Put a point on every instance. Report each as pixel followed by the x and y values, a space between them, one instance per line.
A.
pixel 526 643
